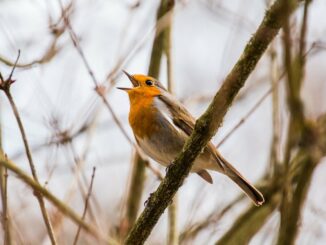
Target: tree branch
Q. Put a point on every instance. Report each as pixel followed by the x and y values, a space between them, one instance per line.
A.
pixel 249 222
pixel 86 205
pixel 300 173
pixel 5 86
pixel 207 125
pixel 4 196
pixel 299 133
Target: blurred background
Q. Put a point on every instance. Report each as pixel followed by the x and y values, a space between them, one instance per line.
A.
pixel 70 130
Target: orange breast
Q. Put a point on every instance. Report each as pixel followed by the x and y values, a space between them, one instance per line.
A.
pixel 142 116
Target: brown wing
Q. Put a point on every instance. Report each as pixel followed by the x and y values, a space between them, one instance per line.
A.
pixel 186 122
pixel 183 120
pixel 181 117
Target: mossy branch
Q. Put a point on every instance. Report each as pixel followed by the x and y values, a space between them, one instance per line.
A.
pixel 207 125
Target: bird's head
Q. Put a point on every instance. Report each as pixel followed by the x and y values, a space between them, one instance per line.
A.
pixel 143 86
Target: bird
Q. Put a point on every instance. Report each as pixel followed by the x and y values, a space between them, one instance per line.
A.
pixel 161 126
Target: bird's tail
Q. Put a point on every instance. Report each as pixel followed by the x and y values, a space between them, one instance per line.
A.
pixel 254 194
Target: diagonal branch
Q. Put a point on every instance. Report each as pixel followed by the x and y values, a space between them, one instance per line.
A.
pixel 86 204
pixel 5 86
pixel 207 125
pixel 249 222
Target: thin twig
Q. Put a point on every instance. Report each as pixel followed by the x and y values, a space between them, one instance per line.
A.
pixel 4 198
pixel 275 144
pixel 191 231
pixel 86 204
pixel 6 223
pixel 160 25
pixel 59 138
pixel 173 230
pixel 100 89
pixel 4 195
pixel 14 67
pixel 249 222
pixel 72 191
pixel 303 32
pixel 5 86
pixel 47 56
pixel 49 53
pixel 245 117
pixel 78 167
pixel 66 210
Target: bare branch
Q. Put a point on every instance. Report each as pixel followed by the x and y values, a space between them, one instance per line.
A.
pixel 5 87
pixel 86 205
pixel 100 89
pixel 4 195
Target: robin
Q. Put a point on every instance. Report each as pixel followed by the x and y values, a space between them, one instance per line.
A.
pixel 162 125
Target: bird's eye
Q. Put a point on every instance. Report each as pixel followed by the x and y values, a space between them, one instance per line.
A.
pixel 149 82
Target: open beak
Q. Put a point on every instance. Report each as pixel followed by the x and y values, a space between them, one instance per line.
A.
pixel 132 80
pixel 124 89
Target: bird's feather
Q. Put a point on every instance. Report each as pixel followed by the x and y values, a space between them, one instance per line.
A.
pixel 205 175
pixel 183 120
